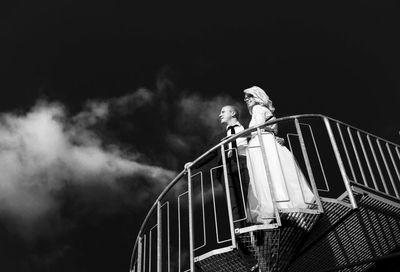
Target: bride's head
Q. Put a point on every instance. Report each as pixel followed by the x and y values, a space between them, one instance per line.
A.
pixel 256 96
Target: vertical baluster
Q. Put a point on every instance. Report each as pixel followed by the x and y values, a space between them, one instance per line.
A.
pixel 346 152
pixel 357 157
pixel 377 165
pixel 308 165
pixel 169 238
pixel 203 212
pixel 397 151
pixel 144 252
pixel 367 160
pixel 150 251
pixel 269 177
pixel 191 230
pixel 387 167
pixel 228 196
pixel 159 237
pixel 394 165
pixel 179 233
pixel 140 248
pixel 340 163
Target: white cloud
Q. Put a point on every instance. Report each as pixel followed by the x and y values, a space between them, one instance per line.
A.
pixel 136 99
pixel 44 149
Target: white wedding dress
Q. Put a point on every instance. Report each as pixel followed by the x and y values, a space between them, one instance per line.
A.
pixel 290 187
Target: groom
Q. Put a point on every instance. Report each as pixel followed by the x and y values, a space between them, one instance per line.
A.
pixel 236 163
pixel 235 154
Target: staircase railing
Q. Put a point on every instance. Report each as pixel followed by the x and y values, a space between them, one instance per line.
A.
pixel 192 217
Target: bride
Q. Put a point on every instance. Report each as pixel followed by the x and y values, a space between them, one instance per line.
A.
pixel 290 188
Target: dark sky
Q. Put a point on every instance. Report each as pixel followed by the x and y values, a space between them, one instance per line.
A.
pixel 311 57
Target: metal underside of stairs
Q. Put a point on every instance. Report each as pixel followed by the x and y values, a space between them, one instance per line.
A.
pixel 343 237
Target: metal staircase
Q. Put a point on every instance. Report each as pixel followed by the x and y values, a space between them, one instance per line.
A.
pixel 353 220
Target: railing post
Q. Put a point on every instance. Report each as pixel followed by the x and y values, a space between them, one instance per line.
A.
pixel 159 237
pixel 308 165
pixel 191 230
pixel 269 176
pixel 340 163
pixel 395 168
pixel 228 196
pixel 140 248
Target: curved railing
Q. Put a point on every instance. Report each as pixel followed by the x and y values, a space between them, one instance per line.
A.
pixel 334 156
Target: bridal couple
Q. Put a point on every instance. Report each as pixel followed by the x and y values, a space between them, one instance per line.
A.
pixel 289 185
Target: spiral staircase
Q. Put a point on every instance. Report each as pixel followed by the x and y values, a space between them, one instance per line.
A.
pixel 352 223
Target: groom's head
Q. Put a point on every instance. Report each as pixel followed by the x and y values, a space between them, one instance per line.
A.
pixel 229 114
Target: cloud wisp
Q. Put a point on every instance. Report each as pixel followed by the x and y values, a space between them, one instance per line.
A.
pixel 44 150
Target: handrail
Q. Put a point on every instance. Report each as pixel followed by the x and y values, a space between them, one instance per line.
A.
pixel 247 131
pixel 286 118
